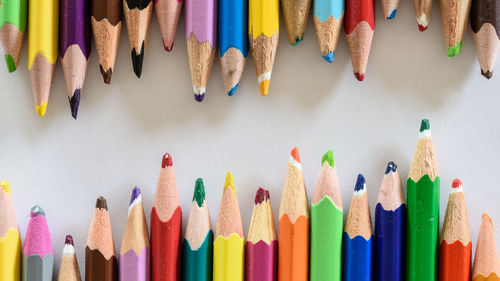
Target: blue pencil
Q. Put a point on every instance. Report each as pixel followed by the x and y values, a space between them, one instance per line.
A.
pixel 328 17
pixel 358 237
pixel 390 227
pixel 232 31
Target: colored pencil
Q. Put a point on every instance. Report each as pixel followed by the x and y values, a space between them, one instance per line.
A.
pixel 328 18
pixel 390 227
pixel 166 226
pixel 327 222
pixel 10 240
pixel 485 24
pixel 261 248
pixel 69 270
pixel 293 250
pixel 13 18
pixel 38 258
pixel 74 47
pixel 263 35
pixel 137 17
pixel 423 210
pixel 201 28
pixel 358 236
pixel 100 256
pixel 229 244
pixel 135 251
pixel 168 12
pixel 359 26
pixel 455 248
pixel 106 25
pixel 42 49
pixel 233 41
pixel 486 261
pixel 296 14
pixel 454 15
pixel 198 241
pixel 389 8
pixel 423 12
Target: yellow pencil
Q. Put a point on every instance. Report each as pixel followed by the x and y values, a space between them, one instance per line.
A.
pixel 230 241
pixel 263 34
pixel 10 241
pixel 43 19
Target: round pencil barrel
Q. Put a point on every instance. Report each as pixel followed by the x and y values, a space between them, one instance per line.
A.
pixel 455 248
pixel 74 47
pixel 100 256
pixel 201 24
pixel 10 240
pixel 261 249
pixel 423 210
pixel 293 250
pixel 166 226
pixel 13 20
pixel 328 19
pixel 233 41
pixel 69 270
pixel 229 244
pixel 358 237
pixel 42 49
pixel 390 228
pixel 327 221
pixel 38 258
pixel 198 243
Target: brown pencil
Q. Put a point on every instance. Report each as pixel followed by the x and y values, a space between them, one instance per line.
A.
pixel 486 261
pixel 100 256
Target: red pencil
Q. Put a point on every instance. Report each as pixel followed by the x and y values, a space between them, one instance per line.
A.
pixel 359 24
pixel 166 226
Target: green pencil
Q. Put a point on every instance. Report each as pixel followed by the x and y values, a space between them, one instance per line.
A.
pixel 13 19
pixel 326 224
pixel 198 242
pixel 423 210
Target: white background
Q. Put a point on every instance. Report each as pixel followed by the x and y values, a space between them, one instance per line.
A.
pixel 123 129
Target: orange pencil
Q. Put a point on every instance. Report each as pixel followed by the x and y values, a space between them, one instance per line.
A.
pixel 293 250
pixel 486 261
pixel 455 249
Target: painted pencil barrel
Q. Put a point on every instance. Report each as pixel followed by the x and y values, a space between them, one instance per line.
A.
pixel 260 261
pixel 455 261
pixel 129 269
pixel 233 41
pixel 10 240
pixel 229 258
pixel 326 241
pixel 293 249
pixel 390 230
pixel 423 229
pixel 13 19
pixel 357 263
pixel 197 263
pixel 328 17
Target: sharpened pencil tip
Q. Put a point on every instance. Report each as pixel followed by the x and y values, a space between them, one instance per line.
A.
pixel 488 74
pixel 391 167
pixel 328 157
pixel 199 97
pixel 329 57
pixel 261 195
pixel 69 240
pixel 136 193
pixel 392 15
pixel 168 48
pixel 229 182
pixel 41 109
pixel 106 75
pixel 232 91
pixel 137 60
pixel 298 39
pixel 425 125
pixel 74 103
pixel 422 28
pixel 101 203
pixel 11 64
pixel 167 161
pixel 360 183
pixel 359 76
pixel 199 192
pixel 37 211
pixel 453 51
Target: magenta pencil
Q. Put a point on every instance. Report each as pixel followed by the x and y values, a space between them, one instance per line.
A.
pixel 261 249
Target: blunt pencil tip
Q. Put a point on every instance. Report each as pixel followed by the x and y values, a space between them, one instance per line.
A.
pixel 199 192
pixel 74 103
pixel 488 74
pixel 391 167
pixel 360 183
pixel 261 196
pixel 11 64
pixel 106 75
pixel 101 203
pixel 425 125
pixel 166 161
pixel 359 76
pixel 69 240
pixel 329 57
pixel 328 157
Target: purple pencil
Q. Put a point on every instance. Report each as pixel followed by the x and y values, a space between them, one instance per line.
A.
pixel 201 26
pixel 74 47
pixel 135 250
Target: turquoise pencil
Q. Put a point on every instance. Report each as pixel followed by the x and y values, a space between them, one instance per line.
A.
pixel 328 17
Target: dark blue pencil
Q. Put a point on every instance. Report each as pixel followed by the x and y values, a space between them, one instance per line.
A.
pixel 390 227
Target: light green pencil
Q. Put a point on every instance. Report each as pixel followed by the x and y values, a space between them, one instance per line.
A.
pixel 326 224
pixel 13 15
